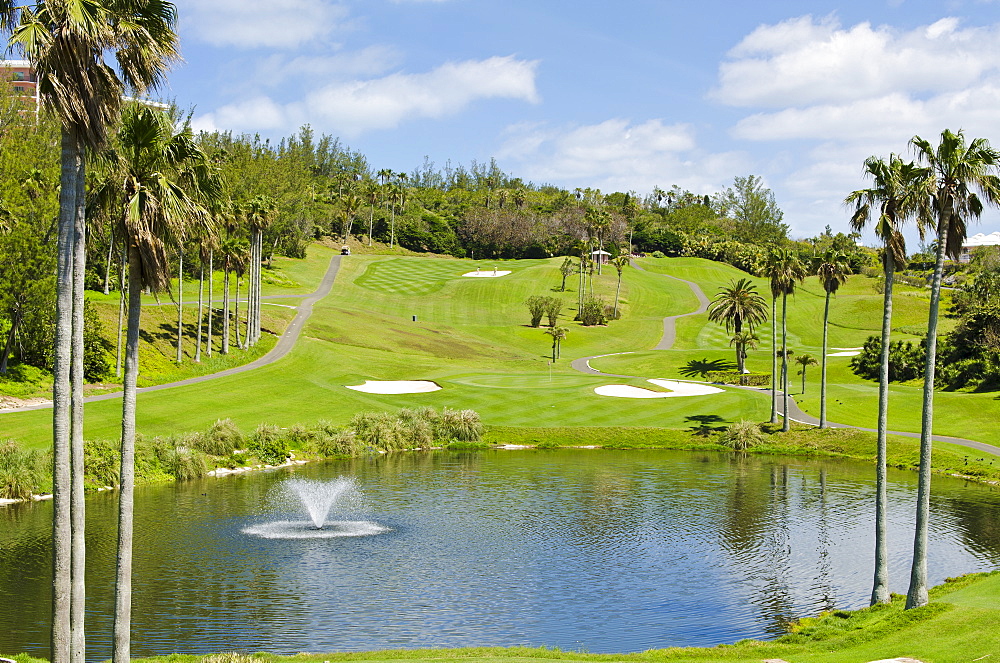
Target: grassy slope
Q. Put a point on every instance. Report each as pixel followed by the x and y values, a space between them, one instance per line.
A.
pixel 470 336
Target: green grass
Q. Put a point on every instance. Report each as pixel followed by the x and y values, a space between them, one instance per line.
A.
pixel 471 336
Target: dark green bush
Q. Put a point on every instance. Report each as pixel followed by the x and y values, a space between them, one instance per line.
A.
pixel 742 379
pixel 268 444
pixel 101 462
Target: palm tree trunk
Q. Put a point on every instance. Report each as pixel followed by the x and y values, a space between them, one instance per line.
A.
pixel 201 290
pixel 371 223
pixel 916 595
pixel 225 308
pixel 121 639
pixel 78 599
pixel 774 359
pixel 822 379
pixel 211 284
pixel 61 405
pixel 107 265
pixel 785 425
pixel 553 350
pixel 392 228
pixel 880 586
pixel 618 293
pixel 236 313
pixel 180 305
pixel 121 315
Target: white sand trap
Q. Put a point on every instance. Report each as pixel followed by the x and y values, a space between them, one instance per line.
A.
pixel 676 389
pixel 395 386
pixel 847 353
pixel 487 274
pixel 847 348
pixel 686 388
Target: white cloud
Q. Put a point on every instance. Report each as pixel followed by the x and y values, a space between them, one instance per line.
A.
pixel 278 70
pixel 351 108
pixel 254 23
pixel 617 155
pixel 805 61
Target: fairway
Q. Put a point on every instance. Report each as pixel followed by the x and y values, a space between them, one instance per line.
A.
pixel 417 318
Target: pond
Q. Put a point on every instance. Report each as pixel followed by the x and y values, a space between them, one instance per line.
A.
pixel 595 550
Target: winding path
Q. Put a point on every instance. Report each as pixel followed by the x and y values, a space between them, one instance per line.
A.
pixel 794 412
pixel 280 349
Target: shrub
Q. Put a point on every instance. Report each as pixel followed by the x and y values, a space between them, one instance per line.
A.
pixel 418 426
pixel 593 312
pixel 22 380
pixel 461 425
pixel 185 463
pixel 658 254
pixel 553 307
pixel 20 471
pixel 101 462
pixel 743 435
pixel 536 307
pixel 742 379
pixel 222 439
pixel 268 445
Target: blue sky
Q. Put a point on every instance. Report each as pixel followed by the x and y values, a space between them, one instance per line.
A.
pixel 617 96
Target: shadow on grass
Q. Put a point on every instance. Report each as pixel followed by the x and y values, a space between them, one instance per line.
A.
pixel 702 367
pixel 702 424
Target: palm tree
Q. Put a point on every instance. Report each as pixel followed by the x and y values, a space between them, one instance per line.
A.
pixel 896 191
pixel 743 340
pixel 620 262
pixel 258 212
pixel 785 270
pixel 140 188
pixel 804 361
pixel 557 334
pixel 736 305
pixel 371 193
pixel 350 204
pixel 958 170
pixel 832 268
pixel 66 42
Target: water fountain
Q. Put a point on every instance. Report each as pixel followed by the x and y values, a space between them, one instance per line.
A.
pixel 317 498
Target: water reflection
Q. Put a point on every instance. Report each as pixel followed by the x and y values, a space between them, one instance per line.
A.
pixel 599 550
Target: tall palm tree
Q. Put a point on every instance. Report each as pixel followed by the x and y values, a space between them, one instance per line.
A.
pixel 258 212
pixel 66 42
pixel 140 188
pixel 785 270
pixel 620 262
pixel 805 361
pixel 958 170
pixel 897 195
pixel 736 305
pixel 832 268
pixel 371 194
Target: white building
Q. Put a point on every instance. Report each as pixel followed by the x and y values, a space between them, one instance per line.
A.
pixel 979 239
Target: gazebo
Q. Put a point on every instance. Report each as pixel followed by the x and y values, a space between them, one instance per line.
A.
pixel 600 257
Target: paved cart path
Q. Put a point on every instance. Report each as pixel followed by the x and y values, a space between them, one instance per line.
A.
pixel 281 348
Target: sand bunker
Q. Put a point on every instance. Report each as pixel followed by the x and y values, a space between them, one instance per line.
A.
pixel 676 389
pixel 846 353
pixel 847 348
pixel 487 274
pixel 395 386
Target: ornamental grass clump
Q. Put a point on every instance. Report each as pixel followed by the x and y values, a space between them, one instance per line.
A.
pixel 101 462
pixel 222 439
pixel 20 471
pixel 461 425
pixel 743 435
pixel 268 444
